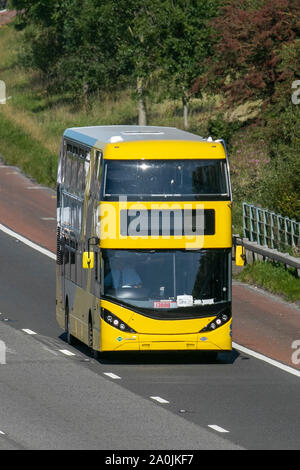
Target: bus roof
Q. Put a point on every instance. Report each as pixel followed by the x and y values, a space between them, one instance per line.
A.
pixel 128 142
pixel 114 134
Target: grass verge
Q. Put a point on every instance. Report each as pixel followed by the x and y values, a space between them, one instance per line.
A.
pixel 21 150
pixel 272 277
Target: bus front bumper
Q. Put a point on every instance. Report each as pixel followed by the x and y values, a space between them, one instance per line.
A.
pixel 113 339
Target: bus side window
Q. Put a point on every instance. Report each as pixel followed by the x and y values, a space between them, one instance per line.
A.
pixel 98 165
pixel 68 178
pixel 72 213
pixel 86 168
pixel 74 168
pixel 62 164
pixel 66 165
pixel 80 180
pixel 73 246
pixel 66 258
pixel 95 182
pixel 99 169
pixel 65 210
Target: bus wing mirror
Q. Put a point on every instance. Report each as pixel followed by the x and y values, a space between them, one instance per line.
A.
pixel 239 255
pixel 88 260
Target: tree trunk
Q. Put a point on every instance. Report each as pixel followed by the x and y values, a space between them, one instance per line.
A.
pixel 185 102
pixel 85 92
pixel 141 103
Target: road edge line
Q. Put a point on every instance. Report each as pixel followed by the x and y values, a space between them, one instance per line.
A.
pixel 27 242
pixel 267 359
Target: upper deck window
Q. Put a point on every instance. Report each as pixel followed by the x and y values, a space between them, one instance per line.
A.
pixel 153 179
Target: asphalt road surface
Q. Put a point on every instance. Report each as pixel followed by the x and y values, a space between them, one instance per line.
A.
pixel 54 396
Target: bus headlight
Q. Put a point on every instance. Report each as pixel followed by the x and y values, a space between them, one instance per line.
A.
pixel 220 320
pixel 114 321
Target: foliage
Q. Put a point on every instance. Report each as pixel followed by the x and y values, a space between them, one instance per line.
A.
pixel 273 277
pixel 247 62
pixel 282 185
pixel 91 45
pixel 257 58
pixel 220 128
pixel 73 42
pixel 289 69
pixel 248 165
pixel 22 150
pixel 186 41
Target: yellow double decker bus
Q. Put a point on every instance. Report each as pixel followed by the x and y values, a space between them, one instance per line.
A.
pixel 144 240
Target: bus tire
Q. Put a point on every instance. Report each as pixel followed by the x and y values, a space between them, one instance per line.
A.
pixel 94 352
pixel 211 356
pixel 70 338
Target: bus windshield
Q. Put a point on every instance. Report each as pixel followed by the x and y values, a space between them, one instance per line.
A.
pixel 148 179
pixel 167 280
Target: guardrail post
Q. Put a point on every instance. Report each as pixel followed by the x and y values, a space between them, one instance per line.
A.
pixel 272 215
pixel 244 219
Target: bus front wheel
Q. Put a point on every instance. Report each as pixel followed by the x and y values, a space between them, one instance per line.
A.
pixel 94 352
pixel 70 338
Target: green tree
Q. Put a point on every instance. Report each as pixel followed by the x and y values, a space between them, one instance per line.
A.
pixel 281 191
pixel 89 56
pixel 168 39
pixel 89 45
pixel 186 41
pixel 139 46
pixel 43 38
pixel 74 42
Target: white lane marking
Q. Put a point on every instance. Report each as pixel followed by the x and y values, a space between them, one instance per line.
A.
pixel 217 428
pixel 29 332
pixel 112 376
pixel 270 361
pixel 27 242
pixel 50 350
pixel 33 187
pixel 160 400
pixel 48 218
pixel 66 352
pixel 3 433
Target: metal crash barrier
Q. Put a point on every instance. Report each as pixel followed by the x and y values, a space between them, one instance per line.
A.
pixel 255 252
pixel 269 229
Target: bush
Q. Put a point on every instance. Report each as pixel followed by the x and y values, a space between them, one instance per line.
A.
pixel 281 191
pixel 249 160
pixel 273 277
pixel 219 128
